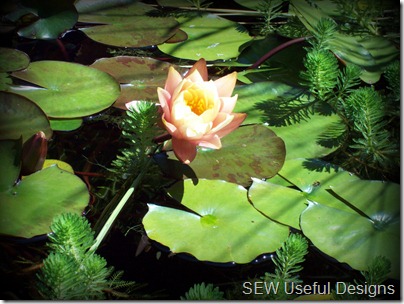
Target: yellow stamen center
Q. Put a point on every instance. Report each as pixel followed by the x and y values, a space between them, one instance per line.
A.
pixel 197 100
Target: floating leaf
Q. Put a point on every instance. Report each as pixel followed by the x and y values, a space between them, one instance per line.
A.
pixel 10 158
pixel 27 208
pixel 221 226
pixel 279 203
pixel 209 36
pixel 66 124
pixel 61 164
pixel 67 90
pixel 12 60
pixel 249 151
pixel 53 18
pixel 315 178
pixel 125 25
pixel 20 116
pixel 139 76
pixel 352 237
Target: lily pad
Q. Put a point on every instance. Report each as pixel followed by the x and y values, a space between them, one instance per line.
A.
pixel 10 156
pixel 279 203
pixel 315 178
pixel 210 37
pixel 114 24
pixel 20 116
pixel 139 77
pixel 249 151
pixel 66 124
pixel 12 60
pixel 67 90
pixel 53 18
pixel 334 230
pixel 27 209
pixel 221 225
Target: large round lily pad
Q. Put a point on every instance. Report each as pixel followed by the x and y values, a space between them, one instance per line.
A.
pixel 27 209
pixel 221 225
pixel 356 238
pixel 249 151
pixel 67 90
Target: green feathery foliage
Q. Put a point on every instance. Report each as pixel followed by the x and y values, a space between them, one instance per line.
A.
pixel 71 271
pixel 392 74
pixel 138 128
pixel 287 262
pixel 203 292
pixel 270 11
pixel 376 274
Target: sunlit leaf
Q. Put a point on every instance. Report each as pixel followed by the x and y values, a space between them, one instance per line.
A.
pixel 352 237
pixel 249 151
pixel 221 225
pixel 67 90
pixel 209 36
pixel 28 208
pixel 279 203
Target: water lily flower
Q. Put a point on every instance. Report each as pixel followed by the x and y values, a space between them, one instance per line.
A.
pixel 197 111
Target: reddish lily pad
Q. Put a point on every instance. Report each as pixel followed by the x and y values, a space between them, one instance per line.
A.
pixel 249 151
pixel 139 77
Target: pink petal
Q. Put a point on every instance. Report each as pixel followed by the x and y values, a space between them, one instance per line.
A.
pixel 202 69
pixel 234 124
pixel 228 104
pixel 184 150
pixel 225 85
pixel 213 142
pixel 173 79
pixel 169 126
pixel 165 102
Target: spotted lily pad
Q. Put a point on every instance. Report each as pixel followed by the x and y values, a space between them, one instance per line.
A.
pixel 139 77
pixel 67 90
pixel 249 151
pixel 220 226
pixel 356 238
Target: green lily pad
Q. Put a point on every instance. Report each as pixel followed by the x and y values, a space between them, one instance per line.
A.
pixel 353 237
pixel 279 203
pixel 130 32
pixel 10 154
pixel 28 208
pixel 20 116
pixel 210 37
pixel 139 76
pixel 249 151
pixel 12 60
pixel 222 226
pixel 53 18
pixel 67 90
pixel 315 178
pixel 65 124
